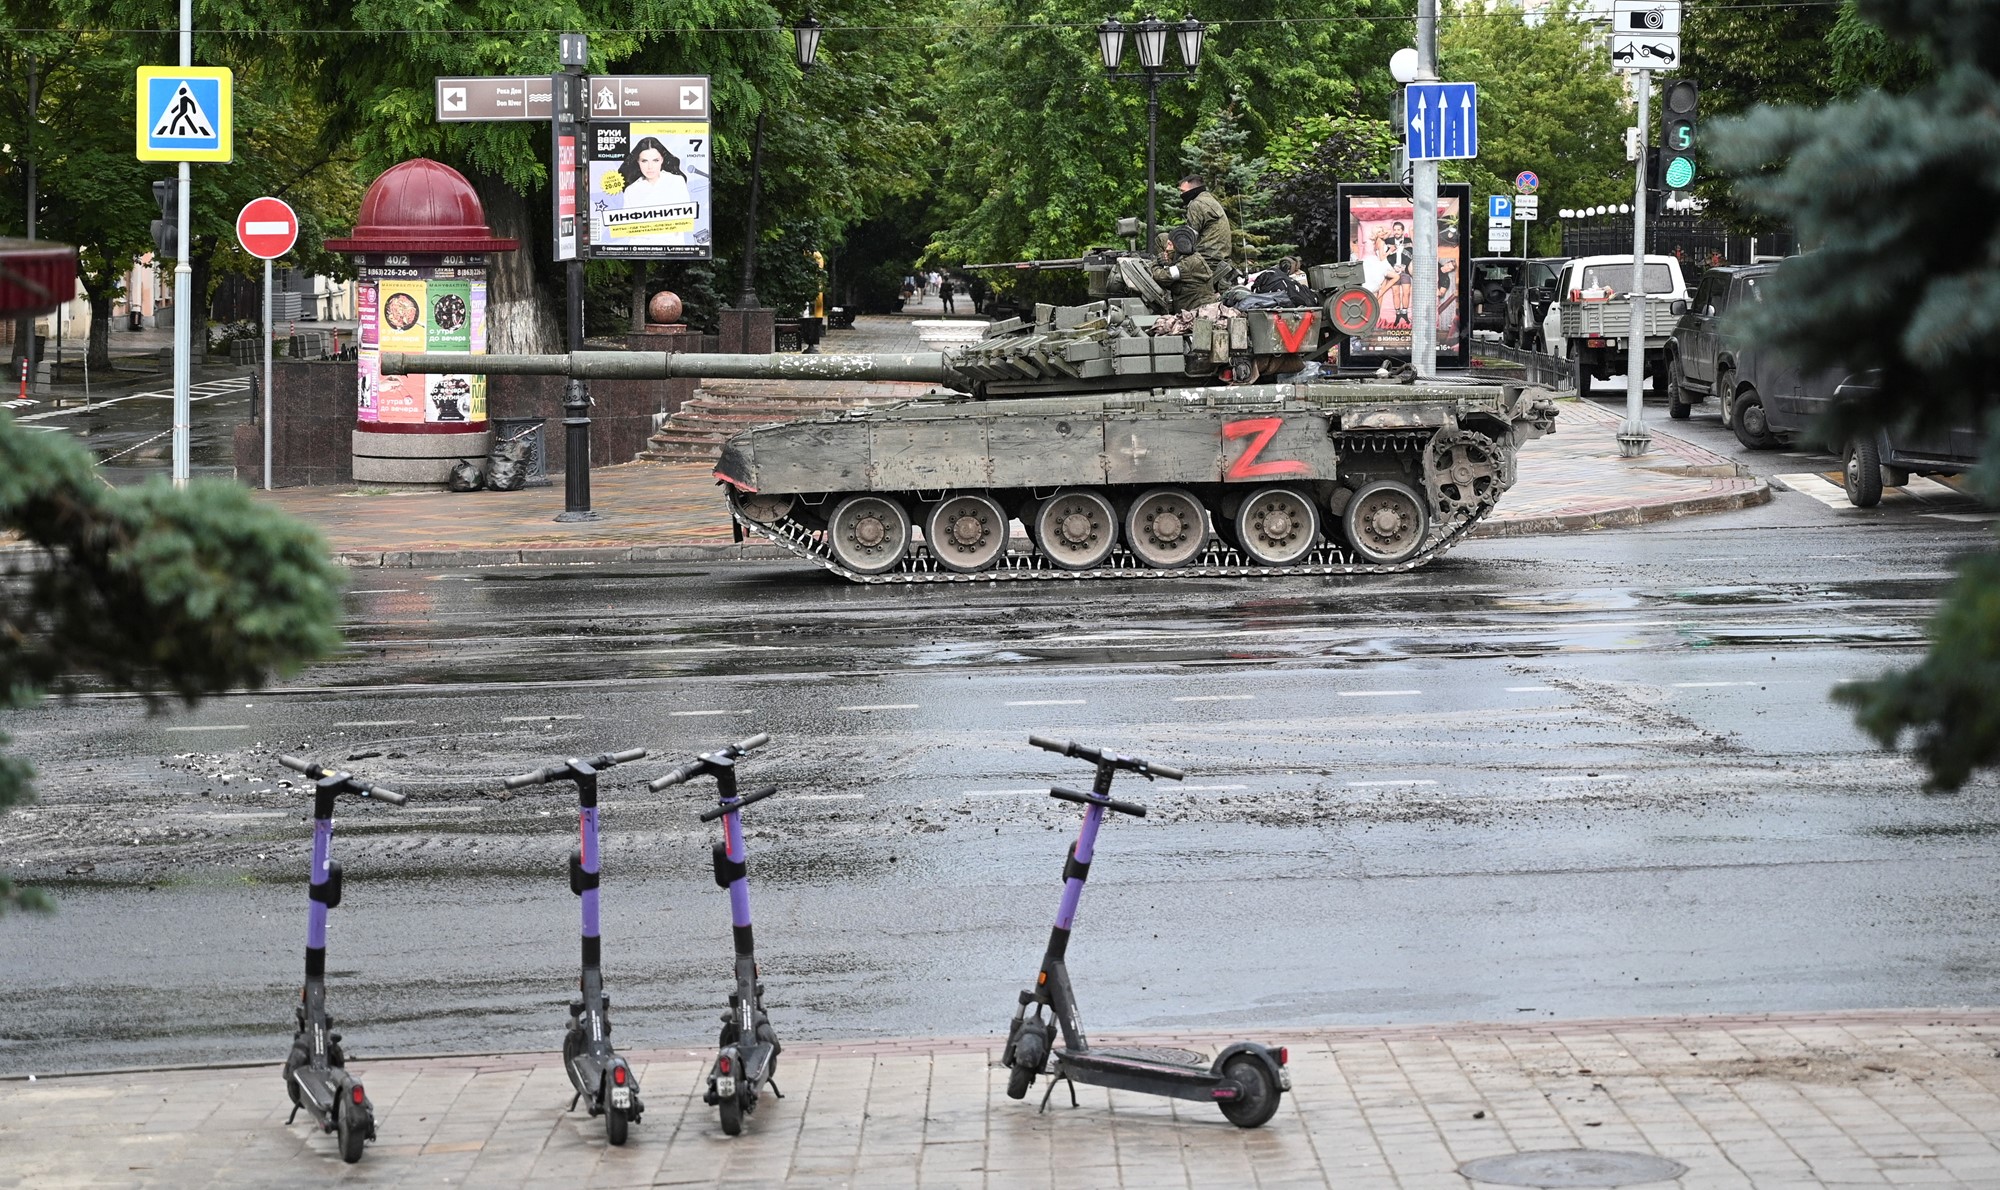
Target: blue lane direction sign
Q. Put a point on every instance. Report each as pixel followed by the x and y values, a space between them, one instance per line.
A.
pixel 1441 121
pixel 1499 206
pixel 185 113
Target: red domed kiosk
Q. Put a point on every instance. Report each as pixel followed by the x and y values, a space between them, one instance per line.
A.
pixel 420 248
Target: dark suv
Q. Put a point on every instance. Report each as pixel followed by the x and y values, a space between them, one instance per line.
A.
pixel 1706 356
pixel 1528 302
pixel 1794 401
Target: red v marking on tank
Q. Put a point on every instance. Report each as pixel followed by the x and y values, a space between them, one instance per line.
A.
pixel 1260 431
pixel 1293 337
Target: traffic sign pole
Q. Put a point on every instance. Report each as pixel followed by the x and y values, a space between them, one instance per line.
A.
pixel 183 289
pixel 570 111
pixel 267 228
pixel 1424 173
pixel 1633 437
pixel 267 373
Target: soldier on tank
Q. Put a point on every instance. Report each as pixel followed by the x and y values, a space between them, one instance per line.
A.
pixel 1211 225
pixel 1182 271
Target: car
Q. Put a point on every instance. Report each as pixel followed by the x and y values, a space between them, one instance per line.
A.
pixel 1529 300
pixel 1796 400
pixel 1591 318
pixel 1706 352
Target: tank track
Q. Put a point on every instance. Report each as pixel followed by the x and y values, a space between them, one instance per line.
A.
pixel 1217 561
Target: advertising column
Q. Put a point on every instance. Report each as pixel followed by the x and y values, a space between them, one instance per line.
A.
pixel 439 308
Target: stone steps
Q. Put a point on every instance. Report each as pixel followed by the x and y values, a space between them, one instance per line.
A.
pixel 696 431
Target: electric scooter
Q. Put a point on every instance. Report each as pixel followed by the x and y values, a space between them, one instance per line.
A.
pixel 1244 1080
pixel 748 1047
pixel 316 1074
pixel 602 1079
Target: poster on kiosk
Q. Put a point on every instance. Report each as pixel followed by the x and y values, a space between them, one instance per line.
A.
pixel 1379 221
pixel 422 308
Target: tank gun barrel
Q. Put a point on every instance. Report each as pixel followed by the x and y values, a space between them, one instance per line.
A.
pixel 1074 262
pixel 920 366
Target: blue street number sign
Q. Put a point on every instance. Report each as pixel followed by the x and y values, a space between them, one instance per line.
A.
pixel 1441 121
pixel 1499 206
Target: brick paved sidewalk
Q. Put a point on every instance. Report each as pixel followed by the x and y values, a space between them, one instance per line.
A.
pixel 1843 1099
pixel 1571 480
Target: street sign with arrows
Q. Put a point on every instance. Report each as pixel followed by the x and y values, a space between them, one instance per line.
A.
pixel 1441 121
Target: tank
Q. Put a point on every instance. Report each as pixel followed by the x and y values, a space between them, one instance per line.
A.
pixel 1126 442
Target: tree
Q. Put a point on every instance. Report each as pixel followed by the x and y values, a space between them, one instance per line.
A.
pixel 1312 158
pixel 1899 195
pixel 174 594
pixel 1548 102
pixel 1044 154
pixel 1218 152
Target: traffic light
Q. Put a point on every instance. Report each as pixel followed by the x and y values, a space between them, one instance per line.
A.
pixel 166 229
pixel 1677 115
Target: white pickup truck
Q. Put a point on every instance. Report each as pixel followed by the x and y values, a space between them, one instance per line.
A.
pixel 1592 316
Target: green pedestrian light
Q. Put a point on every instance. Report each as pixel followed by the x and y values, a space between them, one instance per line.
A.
pixel 1677 135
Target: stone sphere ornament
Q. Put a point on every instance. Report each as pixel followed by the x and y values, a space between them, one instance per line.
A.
pixel 665 307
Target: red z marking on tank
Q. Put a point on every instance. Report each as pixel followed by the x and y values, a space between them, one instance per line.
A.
pixel 1260 431
pixel 1293 337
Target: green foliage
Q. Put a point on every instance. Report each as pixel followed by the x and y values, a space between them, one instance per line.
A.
pixel 1044 154
pixel 1548 102
pixel 1899 196
pixel 1219 152
pixel 171 594
pixel 1312 158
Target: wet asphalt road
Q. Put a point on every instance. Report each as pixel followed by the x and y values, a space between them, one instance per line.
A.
pixel 1573 776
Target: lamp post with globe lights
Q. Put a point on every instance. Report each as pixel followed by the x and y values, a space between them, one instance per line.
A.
pixel 1150 38
pixel 805 46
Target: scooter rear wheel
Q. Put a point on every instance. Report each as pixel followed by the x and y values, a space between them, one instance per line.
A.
pixel 352 1127
pixel 732 1117
pixel 1257 1098
pixel 616 1121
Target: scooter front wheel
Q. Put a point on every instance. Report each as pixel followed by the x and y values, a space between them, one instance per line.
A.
pixel 1019 1079
pixel 732 1116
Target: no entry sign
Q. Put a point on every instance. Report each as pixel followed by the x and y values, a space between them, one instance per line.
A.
pixel 267 228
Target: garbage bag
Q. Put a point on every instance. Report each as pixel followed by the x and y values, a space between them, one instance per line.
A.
pixel 465 477
pixel 507 464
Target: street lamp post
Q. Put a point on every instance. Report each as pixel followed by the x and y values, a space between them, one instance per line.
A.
pixel 1151 38
pixel 805 44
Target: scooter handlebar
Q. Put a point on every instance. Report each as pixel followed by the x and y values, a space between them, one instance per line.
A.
pixel 699 765
pixel 1145 768
pixel 1083 799
pixel 534 778
pixel 367 789
pixel 600 762
pixel 758 795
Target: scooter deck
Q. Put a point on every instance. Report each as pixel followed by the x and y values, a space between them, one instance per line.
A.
pixel 1151 1070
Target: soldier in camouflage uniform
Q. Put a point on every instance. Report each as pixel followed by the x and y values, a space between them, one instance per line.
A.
pixel 1211 225
pixel 1182 271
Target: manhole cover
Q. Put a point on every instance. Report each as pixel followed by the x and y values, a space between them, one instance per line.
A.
pixel 1572 1167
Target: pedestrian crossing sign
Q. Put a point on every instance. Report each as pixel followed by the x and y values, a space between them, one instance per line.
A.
pixel 185 114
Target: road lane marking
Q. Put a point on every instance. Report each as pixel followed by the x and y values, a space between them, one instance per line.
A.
pixel 444 809
pixel 704 714
pixel 1531 689
pixel 246 814
pixel 378 723
pixel 826 797
pixel 1378 784
pixel 1047 702
pixel 1592 777
pixel 1376 693
pixel 536 718
pixel 1214 697
pixel 1005 792
pixel 1207 788
pixel 1704 685
pixel 382 591
pixel 885 706
pixel 215 727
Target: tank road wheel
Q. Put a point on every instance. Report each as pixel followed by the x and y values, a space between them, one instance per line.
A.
pixel 966 532
pixel 764 509
pixel 868 534
pixel 1386 522
pixel 1076 529
pixel 1166 527
pixel 1462 471
pixel 1277 526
